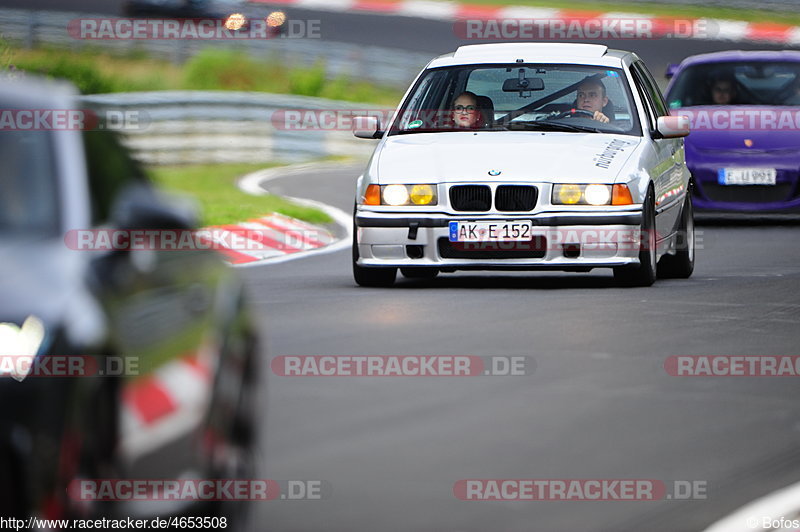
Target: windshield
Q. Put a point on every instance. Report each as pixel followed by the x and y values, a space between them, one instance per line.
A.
pixel 28 200
pixel 571 98
pixel 737 83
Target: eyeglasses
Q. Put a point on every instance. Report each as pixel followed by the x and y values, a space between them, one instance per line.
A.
pixel 462 108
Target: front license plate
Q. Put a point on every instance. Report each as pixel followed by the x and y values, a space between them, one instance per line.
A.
pixel 490 231
pixel 747 176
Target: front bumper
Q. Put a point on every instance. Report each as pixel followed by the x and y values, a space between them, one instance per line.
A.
pixel 710 195
pixel 561 241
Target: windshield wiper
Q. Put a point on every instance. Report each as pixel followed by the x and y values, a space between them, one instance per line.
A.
pixel 551 126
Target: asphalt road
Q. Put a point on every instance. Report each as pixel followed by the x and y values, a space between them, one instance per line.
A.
pixel 599 404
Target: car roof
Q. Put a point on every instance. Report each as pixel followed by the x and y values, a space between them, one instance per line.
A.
pixel 35 91
pixel 529 52
pixel 742 55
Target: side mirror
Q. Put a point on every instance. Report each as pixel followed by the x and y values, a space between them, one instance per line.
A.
pixel 671 69
pixel 367 127
pixel 672 127
pixel 142 207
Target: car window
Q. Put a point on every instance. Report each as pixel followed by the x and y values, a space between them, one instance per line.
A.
pixel 110 169
pixel 644 94
pixel 29 184
pixel 649 84
pixel 748 83
pixel 511 96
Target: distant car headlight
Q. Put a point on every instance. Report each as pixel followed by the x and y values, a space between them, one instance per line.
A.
pixel 591 194
pixel 235 22
pixel 276 19
pixel 397 195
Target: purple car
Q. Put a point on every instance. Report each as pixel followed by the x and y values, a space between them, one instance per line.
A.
pixel 744 148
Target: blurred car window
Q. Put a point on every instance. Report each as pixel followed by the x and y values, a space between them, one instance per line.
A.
pixel 28 195
pixel 755 83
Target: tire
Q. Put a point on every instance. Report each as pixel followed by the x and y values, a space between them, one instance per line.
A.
pixel 419 273
pixel 375 277
pixel 681 264
pixel 645 273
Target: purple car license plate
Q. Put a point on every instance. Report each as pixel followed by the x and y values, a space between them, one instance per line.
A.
pixel 747 176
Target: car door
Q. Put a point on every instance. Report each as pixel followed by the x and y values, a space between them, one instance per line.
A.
pixel 161 317
pixel 667 173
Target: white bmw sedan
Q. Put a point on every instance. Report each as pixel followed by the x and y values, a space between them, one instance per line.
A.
pixel 526 156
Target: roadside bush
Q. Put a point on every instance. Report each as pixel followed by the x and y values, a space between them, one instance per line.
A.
pixel 223 70
pixel 308 81
pixel 76 69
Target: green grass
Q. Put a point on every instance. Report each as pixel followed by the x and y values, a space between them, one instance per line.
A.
pixel 676 11
pixel 214 187
pixel 95 71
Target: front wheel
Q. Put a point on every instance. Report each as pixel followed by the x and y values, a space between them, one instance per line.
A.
pixel 681 264
pixel 375 277
pixel 645 273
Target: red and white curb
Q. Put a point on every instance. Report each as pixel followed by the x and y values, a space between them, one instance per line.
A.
pixel 725 30
pixel 277 238
pixel 159 407
pixel 270 237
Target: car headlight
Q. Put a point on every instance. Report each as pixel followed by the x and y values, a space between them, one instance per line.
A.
pixel 276 19
pixel 235 21
pixel 591 194
pixel 398 195
pixel 19 346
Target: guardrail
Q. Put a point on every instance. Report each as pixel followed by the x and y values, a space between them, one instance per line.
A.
pixel 373 63
pixel 187 127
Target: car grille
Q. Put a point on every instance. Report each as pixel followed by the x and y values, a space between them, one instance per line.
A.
pixel 530 249
pixel 471 198
pixel 747 193
pixel 515 198
pixel 478 198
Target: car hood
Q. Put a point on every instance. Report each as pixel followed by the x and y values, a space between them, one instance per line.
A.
pixel 516 155
pixel 743 128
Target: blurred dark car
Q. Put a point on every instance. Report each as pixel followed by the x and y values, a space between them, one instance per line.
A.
pixel 208 9
pixel 175 324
